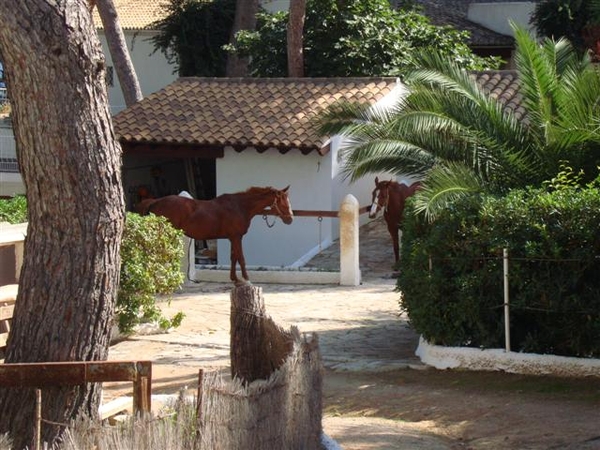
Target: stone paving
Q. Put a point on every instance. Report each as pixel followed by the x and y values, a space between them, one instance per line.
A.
pixel 359 327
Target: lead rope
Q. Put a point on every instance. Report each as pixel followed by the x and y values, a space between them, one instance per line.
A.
pixel 274 205
pixel 270 225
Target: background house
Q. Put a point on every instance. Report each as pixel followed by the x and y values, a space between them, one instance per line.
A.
pixel 488 22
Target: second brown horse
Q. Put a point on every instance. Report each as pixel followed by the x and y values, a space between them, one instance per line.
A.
pixel 227 216
pixel 391 196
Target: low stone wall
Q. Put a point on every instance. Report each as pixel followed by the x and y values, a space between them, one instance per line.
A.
pixel 501 360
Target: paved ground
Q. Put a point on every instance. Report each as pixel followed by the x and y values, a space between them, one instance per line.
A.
pixel 369 402
pixel 359 329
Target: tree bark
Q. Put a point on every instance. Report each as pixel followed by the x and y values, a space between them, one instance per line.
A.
pixel 117 47
pixel 295 42
pixel 70 163
pixel 245 19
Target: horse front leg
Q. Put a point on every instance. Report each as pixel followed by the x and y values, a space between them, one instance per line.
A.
pixel 237 256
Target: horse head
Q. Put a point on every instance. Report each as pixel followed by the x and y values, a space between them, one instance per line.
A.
pixel 283 207
pixel 380 198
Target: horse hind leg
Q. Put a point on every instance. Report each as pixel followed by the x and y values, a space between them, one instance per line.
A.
pixel 396 243
pixel 393 230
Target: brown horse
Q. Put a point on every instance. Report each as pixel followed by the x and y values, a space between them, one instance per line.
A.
pixel 391 196
pixel 226 216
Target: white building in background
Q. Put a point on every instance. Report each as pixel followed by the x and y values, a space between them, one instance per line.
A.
pixel 152 69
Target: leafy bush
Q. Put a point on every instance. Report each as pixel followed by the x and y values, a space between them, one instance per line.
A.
pixel 353 38
pixel 151 253
pixel 13 210
pixel 554 242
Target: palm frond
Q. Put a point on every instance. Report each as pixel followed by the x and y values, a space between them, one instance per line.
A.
pixel 445 183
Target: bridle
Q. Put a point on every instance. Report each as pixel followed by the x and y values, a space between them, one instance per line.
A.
pixel 275 207
pixel 386 201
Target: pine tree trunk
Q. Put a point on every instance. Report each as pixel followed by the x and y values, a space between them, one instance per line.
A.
pixel 117 46
pixel 295 38
pixel 70 163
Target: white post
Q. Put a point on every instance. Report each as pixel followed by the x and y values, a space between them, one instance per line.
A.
pixel 506 305
pixel 349 263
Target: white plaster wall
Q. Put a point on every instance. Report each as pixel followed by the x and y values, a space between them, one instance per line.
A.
pixel 152 69
pixel 497 16
pixel 310 189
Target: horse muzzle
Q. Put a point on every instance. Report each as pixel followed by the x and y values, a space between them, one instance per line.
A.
pixel 287 219
pixel 373 211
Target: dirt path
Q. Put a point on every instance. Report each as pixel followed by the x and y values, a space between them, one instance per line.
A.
pixel 377 393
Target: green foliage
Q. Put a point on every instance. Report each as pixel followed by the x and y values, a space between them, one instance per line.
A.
pixel 553 240
pixel 193 33
pixel 151 254
pixel 568 19
pixel 353 38
pixel 461 141
pixel 13 210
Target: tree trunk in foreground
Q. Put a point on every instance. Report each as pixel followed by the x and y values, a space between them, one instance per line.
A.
pixel 258 346
pixel 117 46
pixel 295 31
pixel 70 163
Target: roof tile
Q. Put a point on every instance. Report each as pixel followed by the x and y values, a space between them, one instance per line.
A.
pixel 135 14
pixel 265 113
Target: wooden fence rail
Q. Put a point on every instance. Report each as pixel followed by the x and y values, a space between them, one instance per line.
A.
pixel 316 213
pixel 71 373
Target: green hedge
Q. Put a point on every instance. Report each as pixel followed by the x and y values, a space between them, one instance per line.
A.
pixel 554 272
pixel 151 253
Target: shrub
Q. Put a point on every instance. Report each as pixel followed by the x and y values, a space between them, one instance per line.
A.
pixel 554 242
pixel 13 210
pixel 151 253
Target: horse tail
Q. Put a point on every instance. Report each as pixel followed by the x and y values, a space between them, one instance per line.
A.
pixel 143 207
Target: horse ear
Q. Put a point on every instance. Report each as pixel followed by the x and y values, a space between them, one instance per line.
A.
pixel 285 189
pixel 376 180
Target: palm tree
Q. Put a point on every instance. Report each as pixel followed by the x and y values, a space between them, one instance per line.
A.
pixel 461 140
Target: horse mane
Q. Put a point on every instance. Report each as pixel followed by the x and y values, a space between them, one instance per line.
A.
pixel 259 190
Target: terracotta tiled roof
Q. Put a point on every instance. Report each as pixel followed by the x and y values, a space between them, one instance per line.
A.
pixel 135 14
pixel 241 112
pixel 503 85
pixel 264 112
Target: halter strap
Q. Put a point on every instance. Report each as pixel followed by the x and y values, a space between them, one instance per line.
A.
pixel 384 206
